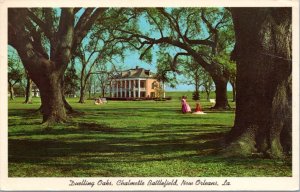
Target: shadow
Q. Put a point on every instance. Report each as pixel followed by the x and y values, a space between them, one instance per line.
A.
pixel 97 127
pixel 123 142
pixel 23 112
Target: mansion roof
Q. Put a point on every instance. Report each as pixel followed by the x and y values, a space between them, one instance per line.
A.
pixel 135 73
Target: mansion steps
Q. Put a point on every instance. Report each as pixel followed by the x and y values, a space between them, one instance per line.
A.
pixel 135 83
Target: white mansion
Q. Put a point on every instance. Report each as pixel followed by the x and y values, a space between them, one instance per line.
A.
pixel 135 83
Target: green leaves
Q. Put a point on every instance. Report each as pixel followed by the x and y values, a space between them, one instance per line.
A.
pixel 71 81
pixel 15 68
pixel 228 65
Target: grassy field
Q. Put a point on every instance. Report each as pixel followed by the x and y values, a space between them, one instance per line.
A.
pixel 128 138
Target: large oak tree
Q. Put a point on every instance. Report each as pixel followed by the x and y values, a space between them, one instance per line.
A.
pixel 200 33
pixel 263 53
pixel 31 31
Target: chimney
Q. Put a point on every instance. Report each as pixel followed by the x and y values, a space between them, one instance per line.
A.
pixel 136 67
pixel 147 72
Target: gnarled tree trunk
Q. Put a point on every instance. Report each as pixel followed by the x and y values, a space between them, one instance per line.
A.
pixel 52 98
pixel 264 84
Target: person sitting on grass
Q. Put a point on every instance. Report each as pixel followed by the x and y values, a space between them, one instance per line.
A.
pixel 198 109
pixel 98 101
pixel 185 108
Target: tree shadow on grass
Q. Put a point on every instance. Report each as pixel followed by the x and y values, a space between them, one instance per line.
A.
pixel 23 112
pixel 102 145
pixel 33 150
pixel 68 129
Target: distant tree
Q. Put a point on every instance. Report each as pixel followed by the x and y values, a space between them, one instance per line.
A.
pixel 104 79
pixel 91 55
pixel 166 73
pixel 207 84
pixel 88 56
pixel 101 48
pixel 192 73
pixel 89 86
pixel 71 80
pixel 28 90
pixel 15 73
pixel 195 75
pixel 230 67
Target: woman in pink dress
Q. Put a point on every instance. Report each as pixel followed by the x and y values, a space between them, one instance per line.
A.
pixel 185 108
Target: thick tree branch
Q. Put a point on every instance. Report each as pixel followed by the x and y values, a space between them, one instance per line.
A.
pixel 84 18
pixel 85 23
pixel 77 9
pixel 21 41
pixel 199 42
pixel 174 63
pixel 169 40
pixel 146 50
pixel 212 30
pixel 65 36
pixel 36 39
pixel 44 26
pixel 188 25
pixel 156 23
pixel 173 22
pixel 208 24
pixel 49 20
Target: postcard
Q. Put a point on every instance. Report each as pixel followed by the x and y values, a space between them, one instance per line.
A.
pixel 149 95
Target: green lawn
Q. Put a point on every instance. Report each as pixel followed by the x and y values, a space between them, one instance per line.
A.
pixel 128 138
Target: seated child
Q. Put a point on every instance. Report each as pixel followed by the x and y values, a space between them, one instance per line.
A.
pixel 198 109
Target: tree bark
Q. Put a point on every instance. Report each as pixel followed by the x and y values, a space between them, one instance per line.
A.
pixel 83 83
pixel 82 94
pixel 221 92
pixel 68 107
pixel 52 99
pixel 233 90
pixel 264 84
pixel 28 92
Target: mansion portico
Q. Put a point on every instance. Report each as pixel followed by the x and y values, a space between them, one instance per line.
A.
pixel 135 83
